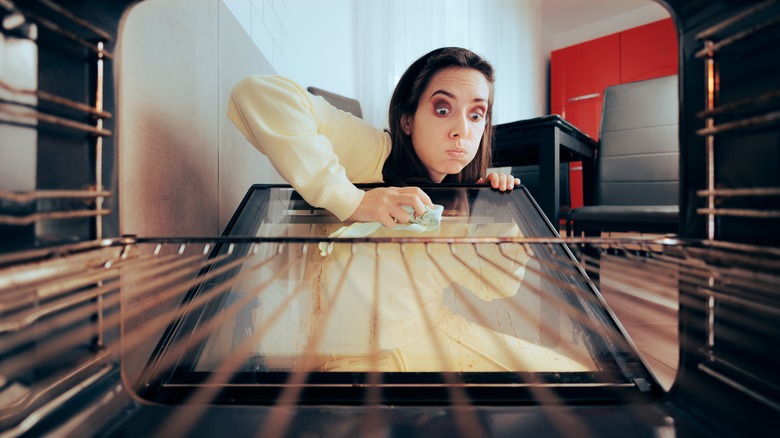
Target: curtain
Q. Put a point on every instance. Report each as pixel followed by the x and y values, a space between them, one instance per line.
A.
pixel 391 34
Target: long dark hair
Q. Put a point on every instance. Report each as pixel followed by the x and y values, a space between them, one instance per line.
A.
pixel 403 166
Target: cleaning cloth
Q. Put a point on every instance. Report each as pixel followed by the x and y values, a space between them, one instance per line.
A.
pixel 430 220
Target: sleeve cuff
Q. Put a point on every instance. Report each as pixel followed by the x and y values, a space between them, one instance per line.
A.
pixel 342 199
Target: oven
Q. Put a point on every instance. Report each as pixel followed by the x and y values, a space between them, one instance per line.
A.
pixel 292 323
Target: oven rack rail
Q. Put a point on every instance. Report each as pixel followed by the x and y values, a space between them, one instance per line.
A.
pixel 66 253
pixel 207 243
pixel 760 110
pixel 20 107
pixel 60 307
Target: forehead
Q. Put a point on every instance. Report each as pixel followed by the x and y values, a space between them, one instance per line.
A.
pixel 461 82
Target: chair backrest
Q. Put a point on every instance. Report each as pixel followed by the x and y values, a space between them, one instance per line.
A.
pixel 639 151
pixel 345 103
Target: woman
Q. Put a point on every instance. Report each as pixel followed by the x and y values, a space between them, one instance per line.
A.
pixel 440 131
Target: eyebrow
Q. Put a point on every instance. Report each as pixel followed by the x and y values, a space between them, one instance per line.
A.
pixel 452 96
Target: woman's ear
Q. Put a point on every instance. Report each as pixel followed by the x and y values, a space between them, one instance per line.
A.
pixel 406 123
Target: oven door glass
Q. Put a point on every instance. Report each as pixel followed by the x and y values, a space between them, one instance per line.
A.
pixel 478 295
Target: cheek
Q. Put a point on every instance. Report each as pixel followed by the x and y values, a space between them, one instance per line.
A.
pixel 423 139
pixel 419 146
pixel 476 138
pixel 478 132
pixel 473 153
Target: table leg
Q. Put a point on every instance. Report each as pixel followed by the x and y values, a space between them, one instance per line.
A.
pixel 588 181
pixel 550 173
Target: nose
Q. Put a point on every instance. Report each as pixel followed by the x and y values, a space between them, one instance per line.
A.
pixel 460 127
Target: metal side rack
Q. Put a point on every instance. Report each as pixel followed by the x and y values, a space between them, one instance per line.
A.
pixel 741 107
pixel 56 123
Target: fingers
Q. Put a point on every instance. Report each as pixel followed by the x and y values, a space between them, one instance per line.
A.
pixel 386 204
pixel 493 179
pixel 502 181
pixel 388 221
pixel 398 214
pixel 422 196
pixel 415 198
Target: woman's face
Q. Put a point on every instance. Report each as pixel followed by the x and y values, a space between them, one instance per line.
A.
pixel 447 126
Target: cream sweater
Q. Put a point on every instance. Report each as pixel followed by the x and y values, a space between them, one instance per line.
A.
pixel 320 150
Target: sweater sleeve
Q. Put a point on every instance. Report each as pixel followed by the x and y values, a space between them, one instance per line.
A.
pixel 492 271
pixel 320 150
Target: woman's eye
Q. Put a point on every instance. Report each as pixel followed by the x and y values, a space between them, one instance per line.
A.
pixel 476 117
pixel 442 111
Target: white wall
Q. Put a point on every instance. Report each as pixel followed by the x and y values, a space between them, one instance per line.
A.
pixel 321 45
pixel 358 47
pixel 265 23
pixel 392 35
pixel 309 41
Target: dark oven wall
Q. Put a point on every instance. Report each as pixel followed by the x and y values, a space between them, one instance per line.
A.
pixel 167 145
pixel 730 179
pixel 66 154
pixel 743 135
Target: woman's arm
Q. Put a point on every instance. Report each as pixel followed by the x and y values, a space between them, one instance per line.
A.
pixel 492 271
pixel 320 150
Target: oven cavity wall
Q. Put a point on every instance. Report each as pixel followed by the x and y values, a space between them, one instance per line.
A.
pixel 183 166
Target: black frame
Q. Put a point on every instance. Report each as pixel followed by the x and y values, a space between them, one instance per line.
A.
pixel 624 378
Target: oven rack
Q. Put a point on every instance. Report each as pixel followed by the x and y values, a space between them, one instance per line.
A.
pixel 54 28
pixel 747 34
pixel 66 312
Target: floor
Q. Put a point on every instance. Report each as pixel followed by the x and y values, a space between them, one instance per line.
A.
pixel 648 312
pixel 645 301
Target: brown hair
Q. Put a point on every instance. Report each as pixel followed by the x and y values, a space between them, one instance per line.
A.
pixel 403 166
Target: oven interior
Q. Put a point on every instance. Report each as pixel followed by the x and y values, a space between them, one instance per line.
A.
pixel 113 335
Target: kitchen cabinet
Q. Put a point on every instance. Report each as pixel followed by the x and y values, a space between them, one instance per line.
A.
pixel 581 72
pixel 648 52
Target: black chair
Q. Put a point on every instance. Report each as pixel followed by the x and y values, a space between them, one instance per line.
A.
pixel 345 103
pixel 637 166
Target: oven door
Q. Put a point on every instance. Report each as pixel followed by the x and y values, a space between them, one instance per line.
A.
pixel 487 306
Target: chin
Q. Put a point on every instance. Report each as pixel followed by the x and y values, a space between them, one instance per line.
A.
pixel 453 167
pixel 453 171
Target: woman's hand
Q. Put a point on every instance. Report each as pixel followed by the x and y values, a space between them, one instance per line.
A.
pixel 384 204
pixel 501 181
